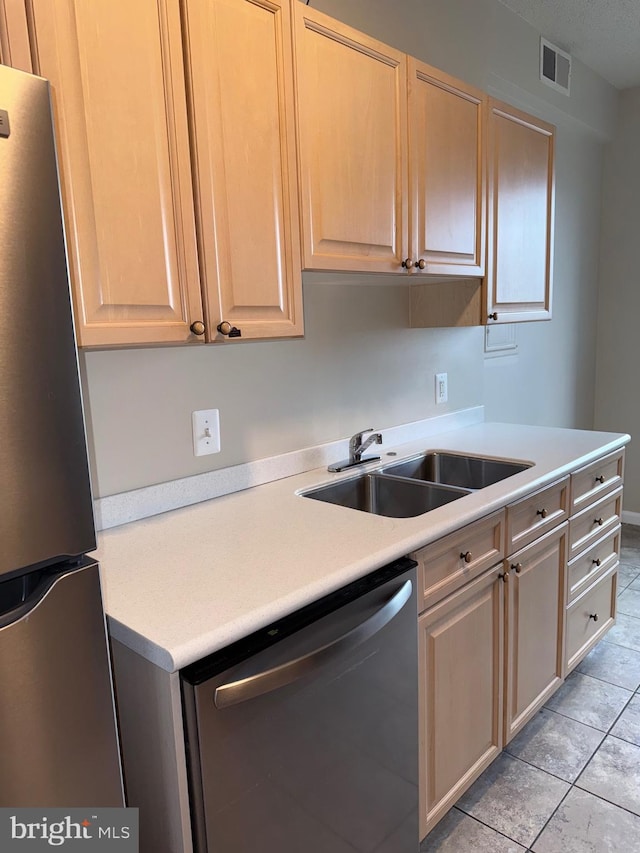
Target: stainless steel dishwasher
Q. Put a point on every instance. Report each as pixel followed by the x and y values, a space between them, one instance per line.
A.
pixel 304 736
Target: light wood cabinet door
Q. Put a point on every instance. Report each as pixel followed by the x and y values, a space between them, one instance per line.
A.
pixel 117 77
pixel 242 114
pixel 520 216
pixel 460 683
pixel 447 171
pixel 15 42
pixel 535 615
pixel 352 114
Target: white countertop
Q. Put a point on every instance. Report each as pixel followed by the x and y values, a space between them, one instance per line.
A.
pixel 185 583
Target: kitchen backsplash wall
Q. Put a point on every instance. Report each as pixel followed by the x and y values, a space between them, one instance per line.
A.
pixel 359 364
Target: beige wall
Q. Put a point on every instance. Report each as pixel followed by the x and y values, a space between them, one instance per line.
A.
pixel 359 365
pixel 618 363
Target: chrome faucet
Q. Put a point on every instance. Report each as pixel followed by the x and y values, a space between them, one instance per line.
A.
pixel 356 448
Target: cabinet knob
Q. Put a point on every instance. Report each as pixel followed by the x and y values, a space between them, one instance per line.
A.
pixel 225 328
pixel 517 567
pixel 598 521
pixel 597 562
pixel 407 263
pixel 593 616
pixel 421 264
pixel 466 556
pixel 504 576
pixel 600 479
pixel 493 316
pixel 542 512
pixel 198 327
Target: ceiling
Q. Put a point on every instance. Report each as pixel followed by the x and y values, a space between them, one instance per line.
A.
pixel 603 34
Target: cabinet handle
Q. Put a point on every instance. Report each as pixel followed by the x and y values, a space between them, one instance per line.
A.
pixel 517 567
pixel 504 576
pixel 600 479
pixel 597 561
pixel 493 316
pixel 542 512
pixel 466 556
pixel 421 264
pixel 225 328
pixel 598 521
pixel 593 616
pixel 198 327
pixel 407 263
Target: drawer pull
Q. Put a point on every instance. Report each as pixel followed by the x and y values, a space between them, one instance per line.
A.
pixel 504 576
pixel 542 512
pixel 599 521
pixel 517 567
pixel 597 562
pixel 593 616
pixel 600 479
pixel 466 556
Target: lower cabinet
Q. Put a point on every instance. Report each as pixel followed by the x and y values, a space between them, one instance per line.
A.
pixel 534 627
pixel 461 667
pixel 491 654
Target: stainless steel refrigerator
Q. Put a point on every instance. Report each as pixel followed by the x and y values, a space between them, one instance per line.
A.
pixel 58 735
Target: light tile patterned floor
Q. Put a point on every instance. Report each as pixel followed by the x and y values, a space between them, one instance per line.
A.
pixel 570 781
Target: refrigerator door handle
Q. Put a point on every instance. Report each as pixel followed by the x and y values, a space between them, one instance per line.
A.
pixel 235 692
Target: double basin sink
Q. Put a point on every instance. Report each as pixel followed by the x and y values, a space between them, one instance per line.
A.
pixel 414 486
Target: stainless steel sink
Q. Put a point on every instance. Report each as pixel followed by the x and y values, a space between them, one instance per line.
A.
pixel 386 495
pixel 453 469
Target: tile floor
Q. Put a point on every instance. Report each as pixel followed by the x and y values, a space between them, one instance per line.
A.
pixel 570 781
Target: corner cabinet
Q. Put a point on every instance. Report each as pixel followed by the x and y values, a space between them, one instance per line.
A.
pixel 119 98
pixel 520 216
pixel 352 118
pixel 242 122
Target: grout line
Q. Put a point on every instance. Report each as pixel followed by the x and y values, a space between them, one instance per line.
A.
pixel 604 681
pixel 488 826
pixel 552 815
pixel 605 800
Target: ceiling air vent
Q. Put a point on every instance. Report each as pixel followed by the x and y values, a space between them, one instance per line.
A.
pixel 555 66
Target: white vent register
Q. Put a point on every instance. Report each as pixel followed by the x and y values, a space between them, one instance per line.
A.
pixel 555 66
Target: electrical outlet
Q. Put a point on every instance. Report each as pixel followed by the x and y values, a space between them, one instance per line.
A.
pixel 206 432
pixel 442 388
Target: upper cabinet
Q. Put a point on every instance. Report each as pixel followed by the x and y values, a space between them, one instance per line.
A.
pixel 446 173
pixel 118 87
pixel 392 157
pixel 15 47
pixel 212 149
pixel 243 130
pixel 520 223
pixel 143 93
pixel 352 113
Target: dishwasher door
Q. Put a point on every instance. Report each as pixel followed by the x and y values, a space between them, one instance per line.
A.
pixel 304 736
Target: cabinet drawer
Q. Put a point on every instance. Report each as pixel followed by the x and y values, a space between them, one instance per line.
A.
pixel 584 569
pixel 590 617
pixel 593 522
pixel 445 565
pixel 536 514
pixel 596 480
